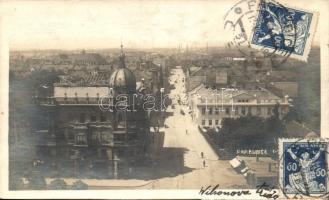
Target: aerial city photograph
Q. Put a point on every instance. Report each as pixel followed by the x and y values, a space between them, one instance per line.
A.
pixel 133 97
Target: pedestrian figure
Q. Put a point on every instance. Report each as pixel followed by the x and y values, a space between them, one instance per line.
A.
pixel 201 154
pixel 204 163
pixel 186 132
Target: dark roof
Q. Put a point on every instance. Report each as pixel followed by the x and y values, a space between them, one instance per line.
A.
pixel 123 80
pixel 96 78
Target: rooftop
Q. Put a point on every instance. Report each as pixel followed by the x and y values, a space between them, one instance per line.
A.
pixel 228 93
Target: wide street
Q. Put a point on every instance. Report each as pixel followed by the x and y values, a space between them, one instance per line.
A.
pixel 184 139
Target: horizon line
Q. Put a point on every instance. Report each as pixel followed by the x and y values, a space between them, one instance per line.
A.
pixel 129 48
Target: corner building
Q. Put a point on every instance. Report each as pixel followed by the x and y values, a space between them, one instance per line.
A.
pixel 89 141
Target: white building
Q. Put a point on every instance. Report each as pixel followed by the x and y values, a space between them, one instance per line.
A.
pixel 209 106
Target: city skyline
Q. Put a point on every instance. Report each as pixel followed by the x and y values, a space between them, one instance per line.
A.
pixel 68 25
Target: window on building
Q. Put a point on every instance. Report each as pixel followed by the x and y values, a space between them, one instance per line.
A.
pixel 203 122
pixel 249 110
pixel 82 118
pixel 93 118
pixel 216 122
pixel 103 118
pixel 227 111
pixel 104 153
pixel 81 138
pixel 210 122
pixel 269 111
pixel 203 111
pixel 94 136
pixel 210 111
pixel 259 111
pixel 237 110
pixel 120 121
pixel 119 138
pixel 243 110
pixel 216 111
pixel 71 137
pixel 104 137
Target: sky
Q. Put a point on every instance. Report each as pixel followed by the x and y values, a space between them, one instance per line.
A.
pixel 105 24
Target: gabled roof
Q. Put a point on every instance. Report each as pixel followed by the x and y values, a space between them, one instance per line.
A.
pixel 95 77
pixel 244 93
pixel 193 73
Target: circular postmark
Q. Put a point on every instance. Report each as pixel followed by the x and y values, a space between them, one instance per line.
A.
pixel 267 25
pixel 304 168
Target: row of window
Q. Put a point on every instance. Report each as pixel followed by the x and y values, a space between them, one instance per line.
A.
pixel 216 121
pixel 81 138
pixel 244 110
pixel 243 100
pixel 76 94
pixel 216 111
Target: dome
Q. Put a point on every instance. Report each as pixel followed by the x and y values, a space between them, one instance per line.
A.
pixel 123 80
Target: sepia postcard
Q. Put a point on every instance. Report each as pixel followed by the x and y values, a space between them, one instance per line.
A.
pixel 179 99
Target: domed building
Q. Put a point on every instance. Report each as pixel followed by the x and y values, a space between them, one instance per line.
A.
pixel 123 80
pixel 91 139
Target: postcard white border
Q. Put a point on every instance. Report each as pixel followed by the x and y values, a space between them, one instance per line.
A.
pixel 131 194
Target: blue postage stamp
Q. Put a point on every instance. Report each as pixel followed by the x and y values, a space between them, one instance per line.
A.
pixel 303 167
pixel 283 30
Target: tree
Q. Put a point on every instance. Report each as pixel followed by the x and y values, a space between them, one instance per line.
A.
pixel 250 132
